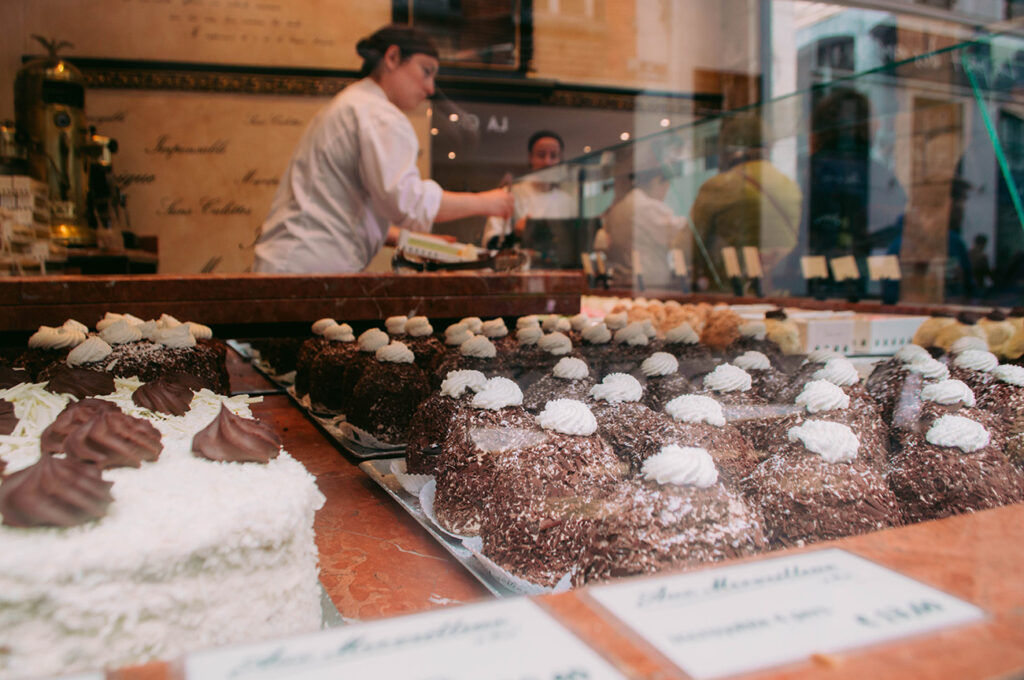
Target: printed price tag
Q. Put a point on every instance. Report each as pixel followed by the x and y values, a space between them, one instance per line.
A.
pixel 458 643
pixel 884 267
pixel 732 262
pixel 740 619
pixel 844 268
pixel 679 262
pixel 814 267
pixel 752 261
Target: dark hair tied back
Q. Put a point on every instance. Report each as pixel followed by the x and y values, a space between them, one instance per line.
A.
pixel 409 40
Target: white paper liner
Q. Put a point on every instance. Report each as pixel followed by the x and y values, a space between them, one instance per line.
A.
pixel 362 437
pixel 413 484
pixel 475 546
pixel 427 506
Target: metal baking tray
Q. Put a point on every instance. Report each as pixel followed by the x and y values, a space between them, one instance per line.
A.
pixel 380 472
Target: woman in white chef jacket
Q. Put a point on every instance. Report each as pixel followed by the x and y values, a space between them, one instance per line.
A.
pixel 353 177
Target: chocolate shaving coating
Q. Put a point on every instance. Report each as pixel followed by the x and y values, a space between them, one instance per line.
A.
pixel 189 380
pixel 9 377
pixel 55 492
pixel 967 318
pixel 114 439
pixel 235 439
pixel 80 382
pixel 68 420
pixel 164 396
pixel 996 315
pixel 8 420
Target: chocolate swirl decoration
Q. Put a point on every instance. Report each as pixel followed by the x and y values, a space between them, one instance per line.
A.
pixel 70 419
pixel 193 382
pixel 55 492
pixel 8 419
pixel 236 439
pixel 80 382
pixel 114 439
pixel 164 396
pixel 9 377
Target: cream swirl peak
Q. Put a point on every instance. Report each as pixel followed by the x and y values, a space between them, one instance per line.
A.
pixel 948 392
pixel 681 466
pixel 174 337
pixel 834 442
pixel 497 394
pixel 395 325
pixel 838 371
pixel 659 364
pixel 75 325
pixel 821 395
pixel 929 368
pixel 554 323
pixel 372 340
pixel 92 350
pixel 121 332
pixel 958 432
pixel 579 321
pixel 456 383
pixel 394 352
pixel 598 334
pixel 108 319
pixel 478 347
pixel 753 329
pixel 418 327
pixel 320 326
pixel 528 321
pixel 570 368
pixel 976 360
pixel 199 331
pixel 696 408
pixel 48 337
pixel 968 342
pixel 728 378
pixel 474 323
pixel 148 329
pixel 456 334
pixel 821 356
pixel 495 328
pixel 910 353
pixel 529 335
pixel 752 360
pixel 617 388
pixel 1010 374
pixel 683 334
pixel 556 343
pixel 340 332
pixel 568 416
pixel 634 334
pixel 616 321
pixel 167 321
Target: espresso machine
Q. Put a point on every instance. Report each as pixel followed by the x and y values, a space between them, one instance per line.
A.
pixel 49 107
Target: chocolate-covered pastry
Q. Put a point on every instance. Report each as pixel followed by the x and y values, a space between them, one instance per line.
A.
pixel 190 380
pixel 387 394
pixel 164 396
pixel 114 439
pixel 9 377
pixel 55 492
pixel 231 438
pixel 73 416
pixel 569 379
pixel 80 382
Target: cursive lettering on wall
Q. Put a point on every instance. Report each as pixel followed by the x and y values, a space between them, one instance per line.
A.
pixel 115 117
pixel 222 207
pixel 173 207
pixel 127 179
pixel 170 148
pixel 254 179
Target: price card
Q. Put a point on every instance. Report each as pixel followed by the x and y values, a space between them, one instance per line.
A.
pixel 459 643
pixel 678 262
pixel 732 263
pixel 748 617
pixel 844 268
pixel 814 267
pixel 884 267
pixel 752 261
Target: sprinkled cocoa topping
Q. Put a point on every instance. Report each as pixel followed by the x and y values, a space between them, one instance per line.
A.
pixel 114 439
pixel 80 382
pixel 55 492
pixel 231 438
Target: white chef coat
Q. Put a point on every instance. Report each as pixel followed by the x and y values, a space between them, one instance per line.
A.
pixel 646 225
pixel 531 201
pixel 352 175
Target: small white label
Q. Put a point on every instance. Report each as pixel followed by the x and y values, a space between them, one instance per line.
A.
pixel 679 262
pixel 752 261
pixel 588 264
pixel 745 618
pixel 844 268
pixel 458 643
pixel 884 267
pixel 814 267
pixel 732 262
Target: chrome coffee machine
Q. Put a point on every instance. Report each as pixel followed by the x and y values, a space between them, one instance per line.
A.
pixel 49 107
